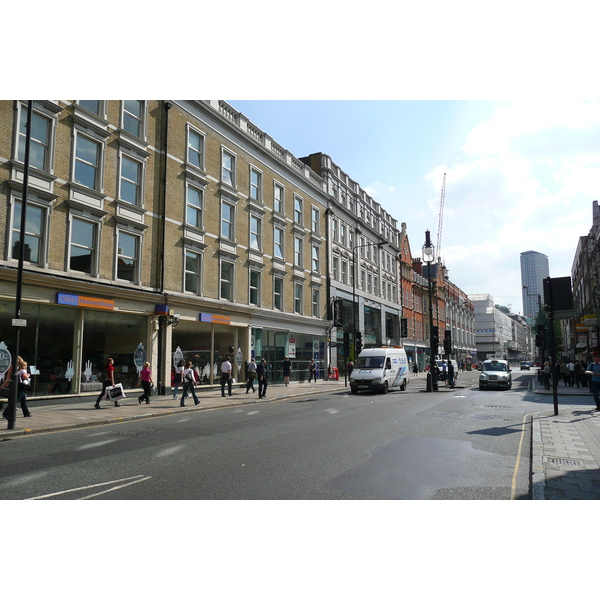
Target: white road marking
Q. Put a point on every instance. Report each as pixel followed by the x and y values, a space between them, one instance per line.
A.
pixel 136 478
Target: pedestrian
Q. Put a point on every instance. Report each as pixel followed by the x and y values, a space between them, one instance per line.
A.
pixel 577 372
pixel 287 370
pixel 23 382
pixel 584 380
pixel 178 377
pixel 547 375
pixel 147 383
pixel 450 374
pixel 312 371
pixel 226 375
pixel 188 384
pixel 250 375
pixel 415 369
pixel 593 372
pixel 564 372
pixel 109 380
pixel 349 367
pixel 263 378
pixel 571 372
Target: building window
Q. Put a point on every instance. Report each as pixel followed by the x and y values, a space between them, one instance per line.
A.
pixel 255 233
pixel 194 205
pixel 343 230
pixel 227 271
pixel 255 185
pixel 298 243
pixel 336 268
pixel 228 168
pixel 193 263
pixel 34 228
pixel 315 219
pixel 369 283
pixel 315 303
pixel 298 290
pixel 94 106
pixel 133 117
pixel 344 271
pixel 315 259
pixel 255 288
pixel 195 149
pixel 87 162
pixel 128 256
pixel 278 293
pixel 39 149
pixel 298 210
pixel 227 221
pixel 82 255
pixel 334 230
pixel 131 181
pixel 278 198
pixel 278 243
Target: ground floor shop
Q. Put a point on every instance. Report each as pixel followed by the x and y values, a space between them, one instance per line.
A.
pixel 68 337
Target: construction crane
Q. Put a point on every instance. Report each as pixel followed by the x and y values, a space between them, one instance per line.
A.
pixel 441 218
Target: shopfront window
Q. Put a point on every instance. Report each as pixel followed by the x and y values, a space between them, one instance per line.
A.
pixel 110 335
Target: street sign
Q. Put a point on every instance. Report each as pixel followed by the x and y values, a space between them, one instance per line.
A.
pixel 239 357
pixel 19 322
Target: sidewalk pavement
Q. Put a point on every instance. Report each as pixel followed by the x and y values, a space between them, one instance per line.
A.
pixel 565 459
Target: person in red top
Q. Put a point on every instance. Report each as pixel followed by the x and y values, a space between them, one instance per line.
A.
pixel 109 381
pixel 146 380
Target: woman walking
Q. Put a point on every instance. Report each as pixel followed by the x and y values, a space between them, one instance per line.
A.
pixel 178 377
pixel 250 375
pixel 188 384
pixel 108 381
pixel 147 383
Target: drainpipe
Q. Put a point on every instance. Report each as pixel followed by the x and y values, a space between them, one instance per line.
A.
pixel 162 321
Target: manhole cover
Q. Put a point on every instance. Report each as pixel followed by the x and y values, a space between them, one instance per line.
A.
pixel 143 431
pixel 563 462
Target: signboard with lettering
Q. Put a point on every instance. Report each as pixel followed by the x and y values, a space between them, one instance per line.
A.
pixel 85 301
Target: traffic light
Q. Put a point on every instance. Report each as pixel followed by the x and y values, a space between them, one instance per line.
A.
pixel 359 344
pixel 435 337
pixel 448 342
pixel 540 336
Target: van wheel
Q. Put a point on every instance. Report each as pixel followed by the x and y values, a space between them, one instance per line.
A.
pixel 385 387
pixel 403 386
pixel 353 389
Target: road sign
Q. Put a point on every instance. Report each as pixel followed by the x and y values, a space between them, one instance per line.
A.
pixel 19 322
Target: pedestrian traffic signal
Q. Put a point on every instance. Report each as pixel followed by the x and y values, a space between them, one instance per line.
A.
pixel 435 337
pixel 540 336
pixel 359 343
pixel 448 342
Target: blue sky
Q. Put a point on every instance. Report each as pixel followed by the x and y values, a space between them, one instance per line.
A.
pixel 519 175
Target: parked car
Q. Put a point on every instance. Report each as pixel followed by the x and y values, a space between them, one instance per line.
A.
pixel 495 373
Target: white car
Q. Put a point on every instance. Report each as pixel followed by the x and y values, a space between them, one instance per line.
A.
pixel 495 373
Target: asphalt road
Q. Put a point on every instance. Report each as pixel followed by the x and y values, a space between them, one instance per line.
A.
pixel 463 444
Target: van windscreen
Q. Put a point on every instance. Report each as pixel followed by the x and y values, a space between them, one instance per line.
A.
pixel 369 362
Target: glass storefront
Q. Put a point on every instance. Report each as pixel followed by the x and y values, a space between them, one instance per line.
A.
pixel 274 346
pixel 49 344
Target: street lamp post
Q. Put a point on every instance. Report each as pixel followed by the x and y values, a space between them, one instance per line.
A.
pixel 428 258
pixel 354 276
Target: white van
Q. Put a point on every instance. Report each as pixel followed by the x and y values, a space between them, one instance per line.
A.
pixel 380 369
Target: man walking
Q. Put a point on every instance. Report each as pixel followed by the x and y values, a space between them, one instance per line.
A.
pixel 263 378
pixel 226 375
pixel 450 374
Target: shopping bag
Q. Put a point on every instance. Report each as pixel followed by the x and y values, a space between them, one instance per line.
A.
pixel 114 393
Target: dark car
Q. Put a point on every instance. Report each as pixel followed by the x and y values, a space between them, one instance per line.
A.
pixel 525 365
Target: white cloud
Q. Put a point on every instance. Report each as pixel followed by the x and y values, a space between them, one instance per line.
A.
pixel 524 180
